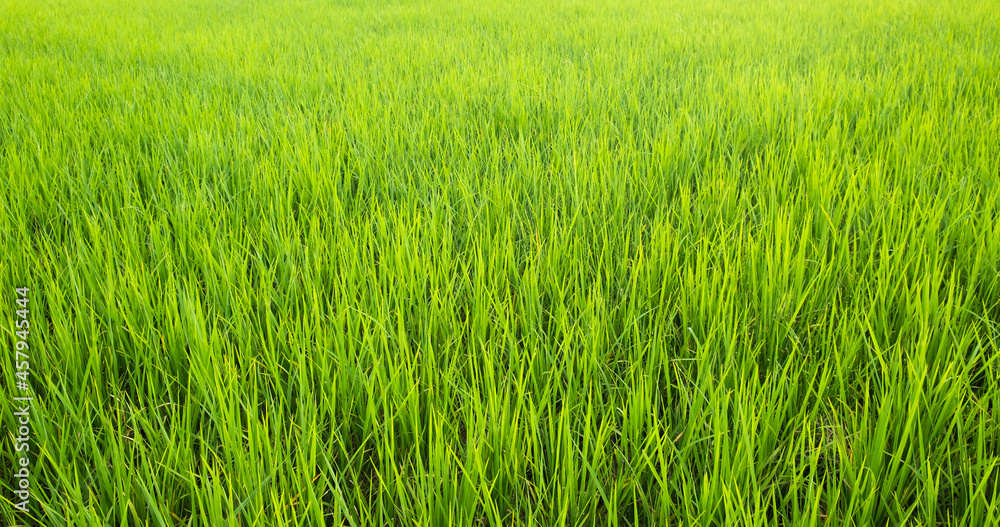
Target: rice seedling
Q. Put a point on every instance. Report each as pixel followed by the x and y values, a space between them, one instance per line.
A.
pixel 500 263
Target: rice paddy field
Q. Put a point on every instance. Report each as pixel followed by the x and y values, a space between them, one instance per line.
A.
pixel 434 262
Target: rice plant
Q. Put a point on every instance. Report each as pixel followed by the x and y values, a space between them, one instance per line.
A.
pixel 547 262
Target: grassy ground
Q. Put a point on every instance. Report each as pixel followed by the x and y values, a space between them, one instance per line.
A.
pixel 492 263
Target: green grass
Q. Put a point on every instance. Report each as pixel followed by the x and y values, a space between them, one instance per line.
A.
pixel 489 263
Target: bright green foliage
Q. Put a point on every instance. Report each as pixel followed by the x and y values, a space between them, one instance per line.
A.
pixel 504 263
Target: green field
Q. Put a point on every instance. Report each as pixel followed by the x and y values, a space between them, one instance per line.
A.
pixel 493 263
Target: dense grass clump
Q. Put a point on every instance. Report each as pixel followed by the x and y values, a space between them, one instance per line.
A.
pixel 491 263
